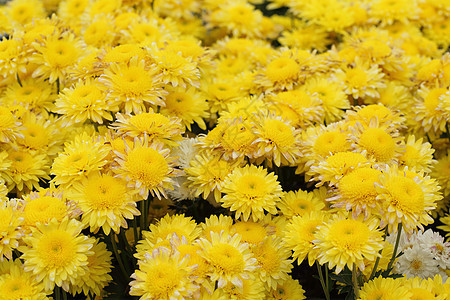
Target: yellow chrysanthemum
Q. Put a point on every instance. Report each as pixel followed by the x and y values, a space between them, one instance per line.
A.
pixel 347 242
pixel 163 275
pixel 249 191
pixel 407 198
pixel 288 289
pixel 9 125
pixel 220 92
pixel 274 262
pixel 299 235
pixel 105 201
pixel 320 142
pixel 356 191
pixel 299 203
pixel 231 261
pixel 33 94
pixel 174 68
pixel 165 229
pixel 252 233
pixel 147 168
pixel 56 55
pixel 84 101
pixel 16 283
pixel 361 79
pixel 189 105
pixel 134 85
pixel 155 126
pixel 338 165
pixel 42 207
pixel 81 157
pixel 441 172
pixel 56 253
pixel 97 271
pixel 10 228
pixel 417 154
pixel 252 289
pixel 380 141
pixel 299 107
pixel 430 110
pixel 207 174
pixel 277 140
pixel 330 93
pixel 26 170
pixel 40 134
pixel 384 288
pixel 216 224
pixel 423 289
pixel 12 57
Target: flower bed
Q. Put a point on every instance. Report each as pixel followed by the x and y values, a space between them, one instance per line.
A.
pixel 280 149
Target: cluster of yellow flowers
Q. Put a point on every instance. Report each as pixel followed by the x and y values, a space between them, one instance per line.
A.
pixel 313 133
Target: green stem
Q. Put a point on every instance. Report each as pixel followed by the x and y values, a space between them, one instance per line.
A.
pixel 355 281
pixel 135 231
pixel 322 282
pixel 397 241
pixel 117 255
pixel 326 278
pixel 141 219
pixel 58 86
pixel 375 266
pixel 57 293
pixel 64 294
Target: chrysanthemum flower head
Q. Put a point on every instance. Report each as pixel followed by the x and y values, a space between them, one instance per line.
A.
pixel 84 101
pixel 11 231
pixel 81 157
pixel 216 224
pixel 189 105
pixel 12 57
pixel 288 289
pixel 274 262
pixel 418 154
pixel 9 125
pixel 44 206
pixel 174 68
pixel 347 242
pixel 299 235
pixel 380 141
pixel 384 288
pixel 207 174
pixel 231 260
pixel 249 191
pixel 429 111
pixel 277 140
pixel 106 202
pixel 252 289
pixel 155 127
pixel 134 85
pixel 238 17
pixel 384 115
pixel 16 283
pixel 252 233
pixel 146 167
pixel 69 250
pixel 356 191
pixel 299 107
pixel 97 271
pixel 167 226
pixel 407 197
pixel 329 91
pixel 424 289
pixel 163 275
pixel 26 170
pixel 56 55
pixel 298 203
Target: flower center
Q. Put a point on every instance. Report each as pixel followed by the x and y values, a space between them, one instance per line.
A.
pixel 147 166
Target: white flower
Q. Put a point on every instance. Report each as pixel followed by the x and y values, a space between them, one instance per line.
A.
pixel 186 151
pixel 417 262
pixel 436 244
pixel 180 191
